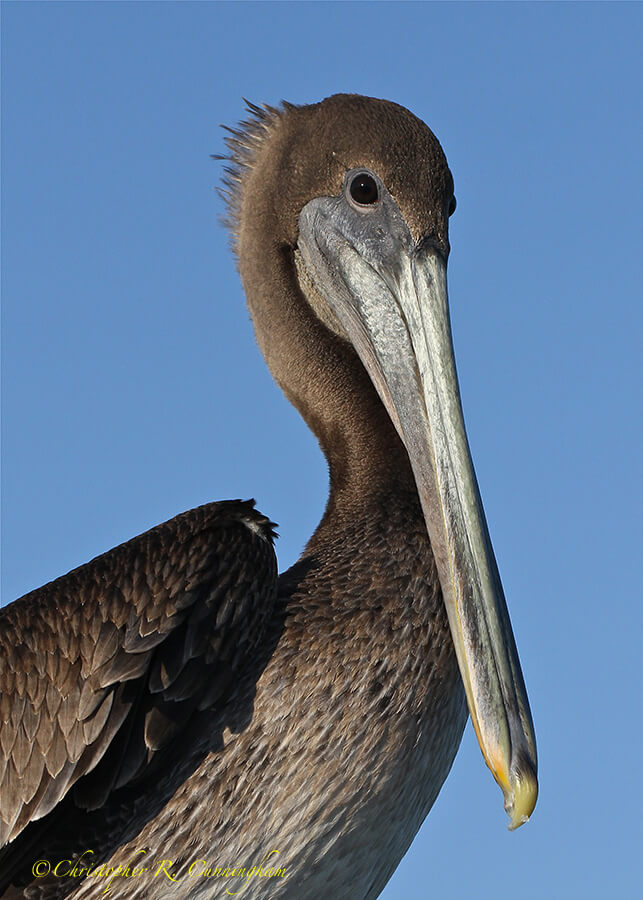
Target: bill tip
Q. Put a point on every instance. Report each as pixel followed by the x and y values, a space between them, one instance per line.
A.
pixel 521 797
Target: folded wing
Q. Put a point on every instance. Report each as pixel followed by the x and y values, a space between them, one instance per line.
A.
pixel 108 663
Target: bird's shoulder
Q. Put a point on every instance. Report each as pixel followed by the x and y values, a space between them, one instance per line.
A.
pixel 101 668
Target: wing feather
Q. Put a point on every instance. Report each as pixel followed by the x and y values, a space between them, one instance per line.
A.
pixel 101 669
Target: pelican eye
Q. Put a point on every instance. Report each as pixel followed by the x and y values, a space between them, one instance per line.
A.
pixel 363 189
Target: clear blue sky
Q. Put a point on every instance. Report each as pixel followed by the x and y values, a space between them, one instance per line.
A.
pixel 133 389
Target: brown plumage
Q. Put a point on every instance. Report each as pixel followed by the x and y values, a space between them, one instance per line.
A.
pixel 169 700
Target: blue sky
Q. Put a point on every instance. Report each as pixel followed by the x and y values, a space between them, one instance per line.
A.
pixel 133 389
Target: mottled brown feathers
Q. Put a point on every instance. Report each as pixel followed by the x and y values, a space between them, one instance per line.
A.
pixel 136 640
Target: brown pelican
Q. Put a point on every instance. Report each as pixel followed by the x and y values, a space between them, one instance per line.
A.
pixel 174 708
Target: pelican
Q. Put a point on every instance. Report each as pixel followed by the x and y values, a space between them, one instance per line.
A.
pixel 177 720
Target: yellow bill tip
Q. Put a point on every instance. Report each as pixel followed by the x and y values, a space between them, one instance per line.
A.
pixel 520 795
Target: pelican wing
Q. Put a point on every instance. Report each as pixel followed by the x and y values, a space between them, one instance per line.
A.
pixel 106 664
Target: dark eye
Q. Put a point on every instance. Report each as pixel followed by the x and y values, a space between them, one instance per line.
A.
pixel 363 189
pixel 452 206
